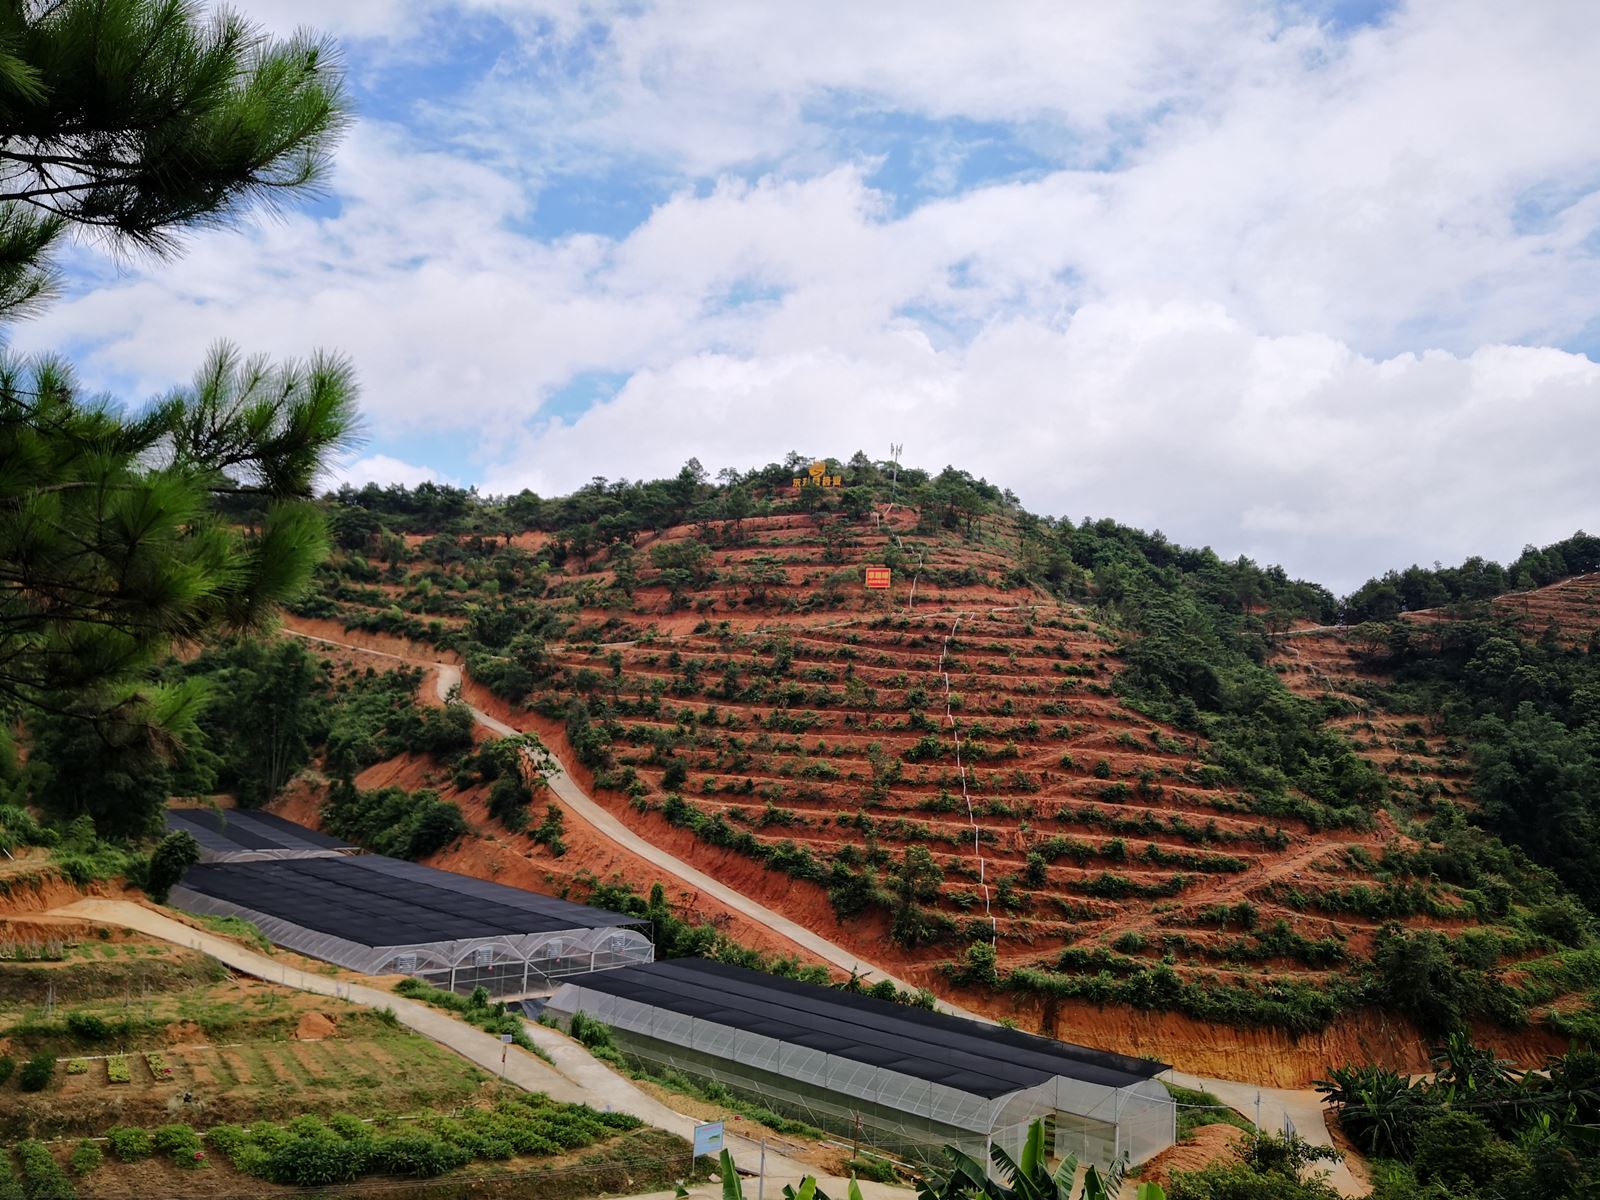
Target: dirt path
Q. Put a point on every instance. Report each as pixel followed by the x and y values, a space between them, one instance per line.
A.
pixel 1303 1107
pixel 575 1078
pixel 1220 889
pixel 577 801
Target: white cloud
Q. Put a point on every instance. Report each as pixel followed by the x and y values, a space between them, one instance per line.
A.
pixel 381 469
pixel 1306 313
pixel 717 85
pixel 1292 449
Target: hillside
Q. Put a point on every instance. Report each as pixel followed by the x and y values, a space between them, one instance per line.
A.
pixel 1059 740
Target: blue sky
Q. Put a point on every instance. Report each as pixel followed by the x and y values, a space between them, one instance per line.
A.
pixel 1314 282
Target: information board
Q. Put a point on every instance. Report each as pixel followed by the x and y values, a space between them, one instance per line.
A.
pixel 708 1138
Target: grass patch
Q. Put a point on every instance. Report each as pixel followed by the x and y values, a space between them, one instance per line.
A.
pixel 475 1009
pixel 236 927
pixel 1207 1110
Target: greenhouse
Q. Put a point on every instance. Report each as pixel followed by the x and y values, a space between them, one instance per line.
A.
pixel 382 916
pixel 238 835
pixel 904 1079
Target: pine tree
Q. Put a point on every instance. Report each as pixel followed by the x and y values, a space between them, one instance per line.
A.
pixel 123 533
pixel 142 118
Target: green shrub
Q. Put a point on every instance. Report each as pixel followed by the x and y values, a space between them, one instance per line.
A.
pixel 508 802
pixel 393 821
pixel 43 1178
pixel 1562 919
pixel 549 832
pixel 415 1154
pixel 1459 1148
pixel 593 1034
pixel 87 1027
pixel 7 1066
pixel 86 1157
pixel 876 1169
pixel 180 1143
pixel 128 1145
pixel 173 855
pixel 227 1140
pixel 1129 943
pixel 37 1072
pixel 315 1161
pixel 350 1128
pixel 249 1159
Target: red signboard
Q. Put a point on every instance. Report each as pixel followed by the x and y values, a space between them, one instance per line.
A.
pixel 878 577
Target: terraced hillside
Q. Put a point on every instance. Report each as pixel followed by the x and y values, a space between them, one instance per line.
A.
pixel 1353 669
pixel 965 776
pixel 1572 606
pixel 1336 666
pixel 990 738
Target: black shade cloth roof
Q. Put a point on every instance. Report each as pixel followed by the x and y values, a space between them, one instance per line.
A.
pixel 970 1056
pixel 227 832
pixel 377 901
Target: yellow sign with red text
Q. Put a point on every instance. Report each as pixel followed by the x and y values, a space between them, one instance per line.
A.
pixel 817 476
pixel 878 578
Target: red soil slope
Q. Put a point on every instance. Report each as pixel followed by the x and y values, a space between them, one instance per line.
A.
pixel 962 712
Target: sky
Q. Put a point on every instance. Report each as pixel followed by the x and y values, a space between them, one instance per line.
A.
pixel 1316 283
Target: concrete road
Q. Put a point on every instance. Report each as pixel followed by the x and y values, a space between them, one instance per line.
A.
pixel 566 789
pixel 1302 1107
pixel 576 799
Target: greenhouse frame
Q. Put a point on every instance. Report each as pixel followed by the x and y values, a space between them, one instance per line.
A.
pixel 382 916
pixel 904 1079
pixel 246 835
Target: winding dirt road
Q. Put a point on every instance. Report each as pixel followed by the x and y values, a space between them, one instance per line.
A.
pixel 1302 1107
pixel 447 676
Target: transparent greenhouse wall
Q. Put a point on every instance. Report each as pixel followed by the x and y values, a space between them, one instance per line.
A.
pixel 1080 1119
pixel 514 965
pixel 1148 1120
pixel 897 1133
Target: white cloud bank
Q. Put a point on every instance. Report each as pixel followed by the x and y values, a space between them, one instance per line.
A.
pixel 383 470
pixel 1308 308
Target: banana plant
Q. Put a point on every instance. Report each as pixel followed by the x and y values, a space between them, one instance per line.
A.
pixel 1029 1178
pixel 733 1186
pixel 808 1190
